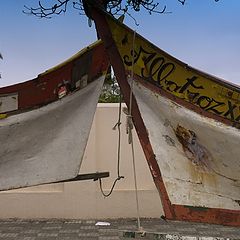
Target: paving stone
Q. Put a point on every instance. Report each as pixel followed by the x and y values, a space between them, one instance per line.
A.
pixel 11 235
pixel 109 238
pixel 90 222
pixel 51 227
pixel 67 235
pixel 87 227
pixel 63 229
pixel 47 238
pixel 47 234
pixel 31 231
pixel 69 231
pixel 73 222
pixel 28 238
pixel 88 234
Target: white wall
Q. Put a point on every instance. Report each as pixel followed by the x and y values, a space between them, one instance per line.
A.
pixel 83 199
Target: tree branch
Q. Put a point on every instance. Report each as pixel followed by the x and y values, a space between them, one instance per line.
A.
pixel 114 7
pixel 47 12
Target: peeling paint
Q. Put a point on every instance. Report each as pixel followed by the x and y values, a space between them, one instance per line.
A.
pixel 155 175
pixel 47 144
pixel 167 123
pixel 194 151
pixel 169 140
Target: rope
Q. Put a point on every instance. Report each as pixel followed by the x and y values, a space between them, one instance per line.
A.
pixel 129 128
pixel 129 132
pixel 129 116
pixel 119 177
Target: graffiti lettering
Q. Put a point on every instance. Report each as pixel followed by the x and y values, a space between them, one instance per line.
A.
pixel 192 95
pixel 214 106
pixel 230 110
pixel 157 66
pixel 158 69
pixel 172 86
pixel 134 56
pixel 238 117
pixel 204 102
pixel 164 72
pixel 154 68
pixel 190 82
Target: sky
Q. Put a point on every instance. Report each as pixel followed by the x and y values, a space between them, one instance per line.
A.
pixel 202 33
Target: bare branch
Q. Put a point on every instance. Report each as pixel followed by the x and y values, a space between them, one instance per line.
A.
pixel 47 12
pixel 78 6
pixel 114 7
pixel 182 1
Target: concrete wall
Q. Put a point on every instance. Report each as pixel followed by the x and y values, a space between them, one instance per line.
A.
pixel 83 199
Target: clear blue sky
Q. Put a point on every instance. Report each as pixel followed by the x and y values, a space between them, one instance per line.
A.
pixel 204 34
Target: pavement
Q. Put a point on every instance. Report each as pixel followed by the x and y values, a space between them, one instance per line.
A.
pixel 114 229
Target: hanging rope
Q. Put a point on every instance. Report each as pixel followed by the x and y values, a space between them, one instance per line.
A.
pixel 119 177
pixel 129 132
pixel 129 128
pixel 129 115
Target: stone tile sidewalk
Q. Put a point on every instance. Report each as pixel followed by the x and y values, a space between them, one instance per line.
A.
pixel 56 229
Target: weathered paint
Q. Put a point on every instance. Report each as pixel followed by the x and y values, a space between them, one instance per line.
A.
pixel 42 90
pixel 47 144
pixel 155 66
pixel 167 97
pixel 8 102
pixel 44 137
pixel 201 168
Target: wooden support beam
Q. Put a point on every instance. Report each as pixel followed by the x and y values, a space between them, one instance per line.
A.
pixel 87 176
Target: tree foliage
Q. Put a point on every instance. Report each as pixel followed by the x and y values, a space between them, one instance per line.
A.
pixel 110 91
